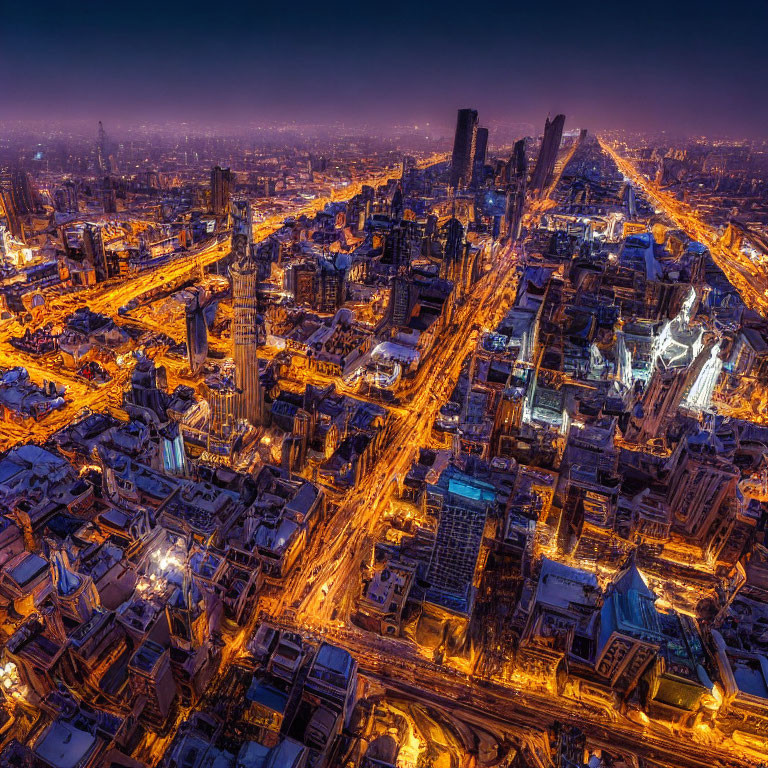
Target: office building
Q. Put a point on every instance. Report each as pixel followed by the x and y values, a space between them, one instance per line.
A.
pixel 221 187
pixel 109 200
pixel 244 273
pixel 11 214
pixel 75 594
pixel 479 157
pixel 102 152
pixel 517 178
pixel 700 480
pixel 94 251
pixel 550 144
pixel 401 246
pixel 302 282
pixel 400 300
pixel 464 148
pixel 22 193
pixel 65 198
pixel 197 331
pixel 518 163
pixel 150 677
pixel 331 287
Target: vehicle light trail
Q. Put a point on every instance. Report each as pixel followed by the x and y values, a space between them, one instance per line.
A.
pixel 740 271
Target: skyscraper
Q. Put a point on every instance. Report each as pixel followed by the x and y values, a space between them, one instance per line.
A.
pixel 331 286
pixel 464 147
pixel 519 160
pixel 244 273
pixel 221 180
pixel 454 240
pixel 302 281
pixel 11 214
pixel 109 197
pixel 147 390
pixel 462 515
pixel 94 251
pixel 22 193
pixel 75 595
pixel 150 676
pixel 102 153
pixel 550 143
pixel 65 198
pixel 700 480
pixel 517 176
pixel 481 150
pixel 397 203
pixel 197 331
pixel 402 245
pixel 400 300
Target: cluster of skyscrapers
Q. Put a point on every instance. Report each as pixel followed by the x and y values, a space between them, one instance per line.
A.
pixel 321 453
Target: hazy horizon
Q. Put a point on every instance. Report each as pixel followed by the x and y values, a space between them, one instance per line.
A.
pixel 674 65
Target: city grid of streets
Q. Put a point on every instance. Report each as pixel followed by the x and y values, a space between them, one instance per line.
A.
pixel 204 566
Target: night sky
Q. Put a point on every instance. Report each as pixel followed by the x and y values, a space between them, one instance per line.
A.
pixel 693 67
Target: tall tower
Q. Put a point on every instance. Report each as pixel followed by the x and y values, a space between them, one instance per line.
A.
pixel 101 149
pixel 109 197
pixel 197 330
pixel 11 214
pixel 519 161
pixel 221 179
pixel 453 251
pixel 65 198
pixel 245 280
pixel 194 659
pixel 700 480
pixel 479 157
pixel 75 594
pixel 401 245
pixel 95 252
pixel 22 193
pixel 550 143
pixel 652 414
pixel 399 308
pixel 463 147
pixel 397 202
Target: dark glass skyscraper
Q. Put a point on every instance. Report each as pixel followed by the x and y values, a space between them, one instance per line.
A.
pixel 197 331
pixel 65 198
pixel 519 160
pixel 22 193
pixel 481 150
pixel 517 177
pixel 545 165
pixel 464 147
pixel 221 179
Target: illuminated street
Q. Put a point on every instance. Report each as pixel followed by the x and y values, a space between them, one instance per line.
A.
pixel 383 387
pixel 748 278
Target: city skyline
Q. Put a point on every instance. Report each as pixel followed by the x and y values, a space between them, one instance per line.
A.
pixel 355 451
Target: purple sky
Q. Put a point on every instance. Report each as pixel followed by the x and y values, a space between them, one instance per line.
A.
pixel 653 65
